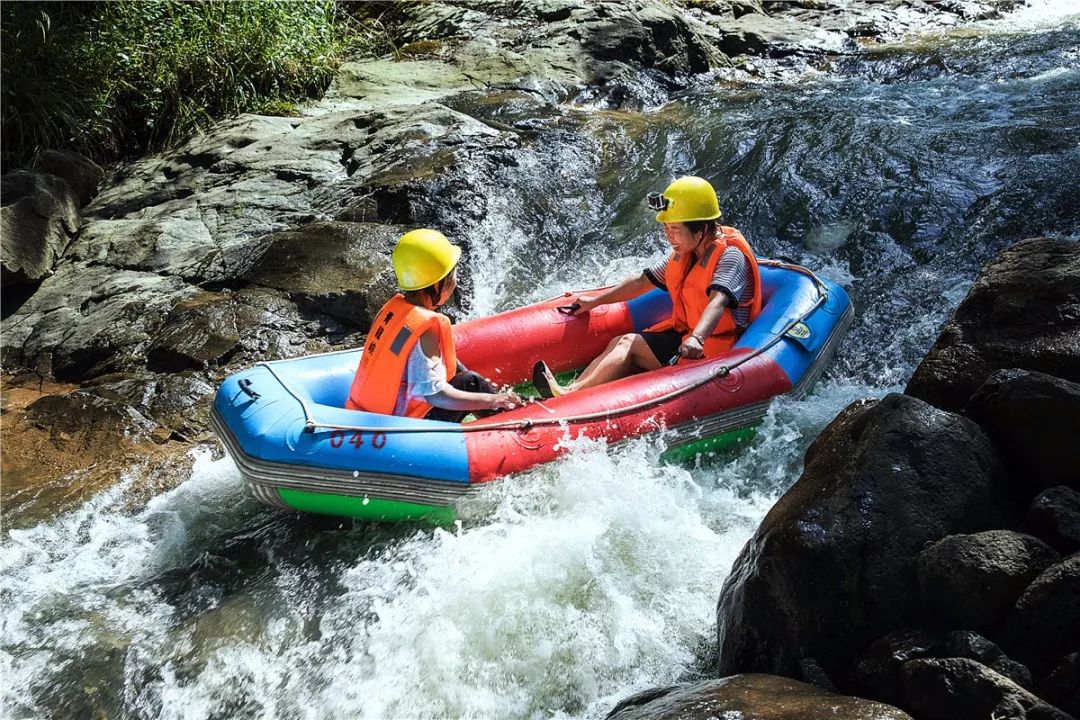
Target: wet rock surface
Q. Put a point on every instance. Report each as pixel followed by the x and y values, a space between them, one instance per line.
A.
pixel 833 564
pixel 972 581
pixel 1007 360
pixel 1023 311
pixel 1054 516
pixel 39 217
pixel 1032 418
pixel 964 689
pixel 766 697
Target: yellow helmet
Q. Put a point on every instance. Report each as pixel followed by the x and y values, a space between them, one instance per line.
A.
pixel 422 258
pixel 688 199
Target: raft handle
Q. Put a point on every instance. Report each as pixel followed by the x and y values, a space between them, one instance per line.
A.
pixel 245 387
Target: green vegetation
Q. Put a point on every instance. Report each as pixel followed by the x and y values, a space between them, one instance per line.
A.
pixel 115 79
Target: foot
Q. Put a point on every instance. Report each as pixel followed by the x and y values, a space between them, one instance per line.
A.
pixel 545 382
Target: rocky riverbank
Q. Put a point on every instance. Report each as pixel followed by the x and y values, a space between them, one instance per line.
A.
pixel 137 289
pixel 929 556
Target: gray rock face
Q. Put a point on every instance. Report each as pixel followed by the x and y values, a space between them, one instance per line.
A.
pixel 40 215
pixel 1023 311
pixel 82 175
pixel 1062 687
pixel 754 34
pixel 763 697
pixel 878 669
pixel 964 689
pixel 968 644
pixel 972 581
pixel 338 269
pixel 1045 624
pixel 1055 517
pixel 1033 419
pixel 832 565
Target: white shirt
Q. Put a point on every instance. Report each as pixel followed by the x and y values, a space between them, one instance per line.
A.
pixel 424 376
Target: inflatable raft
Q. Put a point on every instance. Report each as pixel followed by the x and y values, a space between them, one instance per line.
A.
pixel 285 425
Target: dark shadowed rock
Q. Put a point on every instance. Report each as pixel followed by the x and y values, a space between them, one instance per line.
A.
pixel 339 269
pixel 832 565
pixel 968 644
pixel 1033 420
pixel 40 215
pixel 877 671
pixel 1062 686
pixel 1023 311
pixel 964 689
pixel 972 581
pixel 1054 516
pixel 761 697
pixel 1045 624
pixel 82 175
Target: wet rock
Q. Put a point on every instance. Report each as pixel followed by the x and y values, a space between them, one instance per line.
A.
pixel 81 174
pixel 964 689
pixel 754 34
pixel 200 331
pixel 86 321
pixel 968 644
pixel 972 581
pixel 878 669
pixel 1032 419
pixel 338 269
pixel 1055 517
pixel 833 564
pixel 40 214
pixel 1023 311
pixel 1062 686
pixel 1045 624
pixel 763 697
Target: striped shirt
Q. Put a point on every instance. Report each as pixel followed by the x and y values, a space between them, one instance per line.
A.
pixel 732 277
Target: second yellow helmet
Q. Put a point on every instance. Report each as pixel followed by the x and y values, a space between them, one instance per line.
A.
pixel 688 199
pixel 422 258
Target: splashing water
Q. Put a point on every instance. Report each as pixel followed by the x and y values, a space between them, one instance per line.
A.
pixel 570 586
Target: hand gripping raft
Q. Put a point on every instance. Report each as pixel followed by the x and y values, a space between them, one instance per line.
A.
pixel 286 427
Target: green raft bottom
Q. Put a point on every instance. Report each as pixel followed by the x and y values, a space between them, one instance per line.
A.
pixel 382 510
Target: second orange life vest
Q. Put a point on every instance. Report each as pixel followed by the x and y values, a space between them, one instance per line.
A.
pixel 688 279
pixel 381 375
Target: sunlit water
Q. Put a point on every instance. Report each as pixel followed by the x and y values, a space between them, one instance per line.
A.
pixel 568 587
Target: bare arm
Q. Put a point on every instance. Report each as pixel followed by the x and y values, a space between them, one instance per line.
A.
pixel 450 398
pixel 693 346
pixel 628 289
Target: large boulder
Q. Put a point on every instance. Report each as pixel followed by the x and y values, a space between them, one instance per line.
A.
pixel 1054 516
pixel 965 689
pixel 1045 624
pixel 338 269
pixel 39 217
pixel 761 697
pixel 1062 686
pixel 1032 419
pixel 878 669
pixel 832 565
pixel 973 581
pixel 754 34
pixel 1023 311
pixel 968 644
pixel 81 174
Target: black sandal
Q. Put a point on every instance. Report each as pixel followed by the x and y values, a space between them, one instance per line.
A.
pixel 542 380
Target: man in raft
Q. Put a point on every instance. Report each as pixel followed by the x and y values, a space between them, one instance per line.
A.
pixel 712 276
pixel 409 366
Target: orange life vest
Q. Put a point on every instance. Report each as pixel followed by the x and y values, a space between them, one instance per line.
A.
pixel 688 283
pixel 393 335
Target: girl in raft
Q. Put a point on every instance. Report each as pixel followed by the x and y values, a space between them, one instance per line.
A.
pixel 409 366
pixel 712 276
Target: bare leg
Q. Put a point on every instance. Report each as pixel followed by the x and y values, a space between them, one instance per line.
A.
pixel 623 355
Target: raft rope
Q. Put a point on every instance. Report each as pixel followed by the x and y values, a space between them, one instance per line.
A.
pixel 311 424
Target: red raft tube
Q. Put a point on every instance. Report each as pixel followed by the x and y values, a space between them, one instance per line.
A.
pixel 285 425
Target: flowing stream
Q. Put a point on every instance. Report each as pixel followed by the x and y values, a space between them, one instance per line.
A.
pixel 571 586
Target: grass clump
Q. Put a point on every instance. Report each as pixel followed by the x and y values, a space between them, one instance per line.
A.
pixel 114 79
